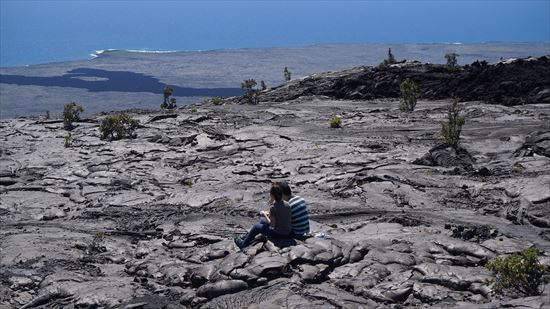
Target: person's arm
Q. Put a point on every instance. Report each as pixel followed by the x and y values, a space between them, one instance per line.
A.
pixel 265 214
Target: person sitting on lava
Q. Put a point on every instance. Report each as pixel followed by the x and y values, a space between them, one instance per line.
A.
pixel 275 223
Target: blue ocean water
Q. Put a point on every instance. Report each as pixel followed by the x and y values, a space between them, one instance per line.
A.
pixel 33 32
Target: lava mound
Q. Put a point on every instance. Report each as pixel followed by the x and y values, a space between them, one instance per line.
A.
pixel 511 82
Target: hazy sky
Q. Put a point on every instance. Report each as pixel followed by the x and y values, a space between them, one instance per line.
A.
pixel 41 31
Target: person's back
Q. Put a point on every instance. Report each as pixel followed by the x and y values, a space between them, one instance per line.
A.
pixel 299 215
pixel 281 212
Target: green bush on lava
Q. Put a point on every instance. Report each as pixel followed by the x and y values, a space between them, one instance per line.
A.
pixel 450 130
pixel 287 75
pixel 389 60
pixel 250 92
pixel 452 63
pixel 409 95
pixel 335 122
pixel 71 113
pixel 169 102
pixel 522 273
pixel 216 100
pixel 116 127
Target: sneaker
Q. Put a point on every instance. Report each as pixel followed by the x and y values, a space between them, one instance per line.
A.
pixel 239 242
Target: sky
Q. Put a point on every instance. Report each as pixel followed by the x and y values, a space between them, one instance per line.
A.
pixel 45 31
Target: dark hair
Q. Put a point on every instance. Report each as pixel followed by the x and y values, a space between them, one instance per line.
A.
pixel 284 188
pixel 276 192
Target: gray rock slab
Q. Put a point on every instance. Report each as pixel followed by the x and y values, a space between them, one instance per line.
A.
pixel 268 264
pixel 454 277
pixel 390 256
pixel 505 245
pixel 211 290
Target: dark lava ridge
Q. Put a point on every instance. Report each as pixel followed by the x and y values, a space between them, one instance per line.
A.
pixel 512 82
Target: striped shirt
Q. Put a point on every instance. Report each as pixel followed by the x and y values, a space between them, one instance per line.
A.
pixel 299 215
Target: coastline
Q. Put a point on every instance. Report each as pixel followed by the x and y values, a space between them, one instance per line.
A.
pixel 223 69
pixel 110 51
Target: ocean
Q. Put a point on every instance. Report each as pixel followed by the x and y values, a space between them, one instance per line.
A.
pixel 37 32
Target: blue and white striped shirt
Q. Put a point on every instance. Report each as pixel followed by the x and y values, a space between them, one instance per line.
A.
pixel 299 216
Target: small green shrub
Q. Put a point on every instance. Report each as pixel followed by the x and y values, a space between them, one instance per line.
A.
pixel 248 84
pixel 217 100
pixel 68 140
pixel 452 63
pixel 335 122
pixel 169 102
pixel 286 74
pixel 450 130
pixel 96 245
pixel 115 127
pixel 193 110
pixel 71 113
pixel 167 92
pixel 521 273
pixel 409 95
pixel 250 93
pixel 389 60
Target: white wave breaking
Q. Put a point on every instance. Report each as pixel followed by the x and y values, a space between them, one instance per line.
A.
pixel 151 51
pixel 98 53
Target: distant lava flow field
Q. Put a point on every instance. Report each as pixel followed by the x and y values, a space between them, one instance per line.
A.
pixel 97 80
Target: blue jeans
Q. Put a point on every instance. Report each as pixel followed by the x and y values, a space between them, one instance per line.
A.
pixel 260 228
